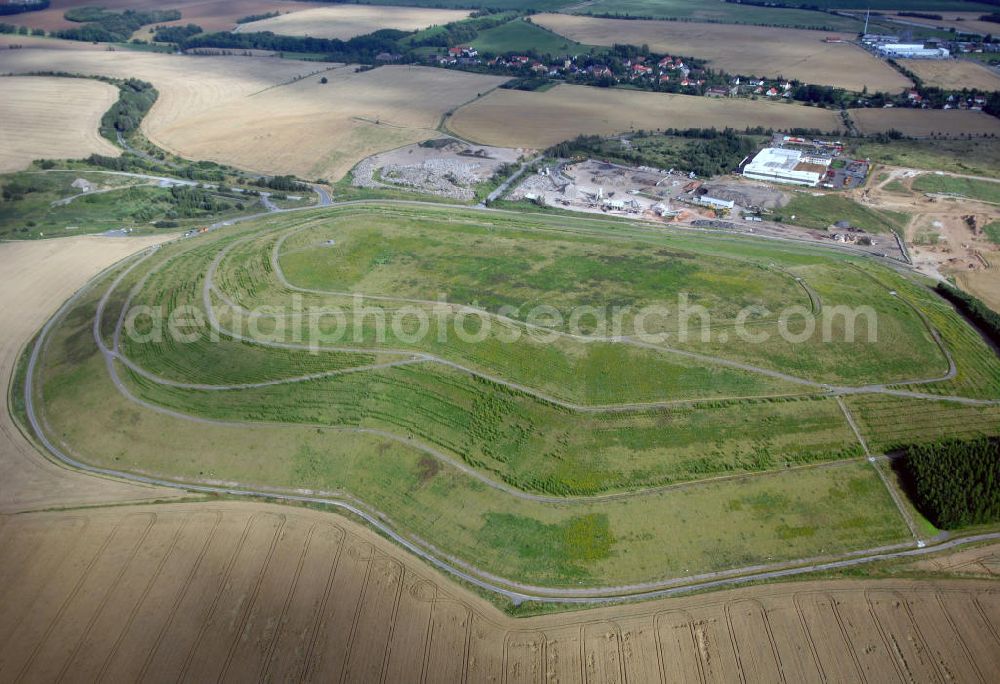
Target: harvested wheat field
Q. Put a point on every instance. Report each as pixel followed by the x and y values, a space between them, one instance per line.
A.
pixel 244 592
pixel 748 50
pixel 52 118
pixel 515 118
pixel 38 277
pixel 273 115
pixel 211 15
pixel 953 74
pixel 348 21
pixel 923 123
pixel 19 42
pixel 319 130
pixel 967 22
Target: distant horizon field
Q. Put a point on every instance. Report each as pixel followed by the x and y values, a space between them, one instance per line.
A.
pixel 750 51
pixel 346 21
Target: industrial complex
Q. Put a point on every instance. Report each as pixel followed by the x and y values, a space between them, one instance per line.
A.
pixel 783 165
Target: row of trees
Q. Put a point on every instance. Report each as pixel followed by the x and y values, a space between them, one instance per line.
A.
pixel 175 34
pixel 984 318
pixel 14 7
pixel 135 99
pixel 956 483
pixel 358 49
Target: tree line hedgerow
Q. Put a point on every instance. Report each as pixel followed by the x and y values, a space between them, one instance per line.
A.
pixel 985 318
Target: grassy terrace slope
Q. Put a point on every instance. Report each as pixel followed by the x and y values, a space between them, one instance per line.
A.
pixel 474 446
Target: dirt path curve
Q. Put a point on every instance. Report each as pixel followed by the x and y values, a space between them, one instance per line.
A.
pixel 39 276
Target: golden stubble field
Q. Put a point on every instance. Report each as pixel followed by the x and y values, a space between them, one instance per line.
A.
pixel 347 21
pixel 56 118
pixel 211 15
pixel 749 50
pixel 38 276
pixel 953 74
pixel 272 115
pixel 922 123
pixel 254 592
pixel 514 118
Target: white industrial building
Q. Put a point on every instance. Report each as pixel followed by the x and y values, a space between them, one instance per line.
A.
pixel 778 165
pixel 715 203
pixel 912 51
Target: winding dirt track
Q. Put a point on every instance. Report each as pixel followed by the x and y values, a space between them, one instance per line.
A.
pixel 38 276
pixel 240 591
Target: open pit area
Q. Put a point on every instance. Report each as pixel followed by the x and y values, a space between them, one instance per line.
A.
pixel 445 167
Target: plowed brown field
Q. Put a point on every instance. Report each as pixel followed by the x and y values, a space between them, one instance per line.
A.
pixel 243 592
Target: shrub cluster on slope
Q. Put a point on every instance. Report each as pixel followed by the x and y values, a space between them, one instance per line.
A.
pixel 103 26
pixel 957 483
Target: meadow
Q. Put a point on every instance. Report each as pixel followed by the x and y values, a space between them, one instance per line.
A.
pixel 750 51
pixel 822 211
pixel 487 447
pixel 714 525
pixel 521 36
pixel 969 157
pixel 52 118
pixel 970 188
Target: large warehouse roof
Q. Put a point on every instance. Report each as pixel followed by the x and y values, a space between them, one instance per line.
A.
pixel 782 166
